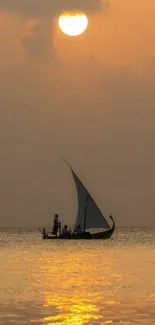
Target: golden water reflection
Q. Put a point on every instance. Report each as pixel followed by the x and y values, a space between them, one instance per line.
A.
pixel 91 286
pixel 94 283
pixel 76 287
pixel 72 313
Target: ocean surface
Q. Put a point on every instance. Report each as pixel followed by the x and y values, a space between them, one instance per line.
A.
pixel 77 282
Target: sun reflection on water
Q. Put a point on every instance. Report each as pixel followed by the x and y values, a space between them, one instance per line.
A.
pixel 76 283
pixel 72 313
pixel 73 288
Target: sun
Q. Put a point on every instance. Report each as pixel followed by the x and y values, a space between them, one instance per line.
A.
pixel 73 23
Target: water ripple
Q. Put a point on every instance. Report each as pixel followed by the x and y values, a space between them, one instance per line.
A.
pixel 81 282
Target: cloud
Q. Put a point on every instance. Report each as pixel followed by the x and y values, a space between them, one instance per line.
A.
pixel 36 40
pixel 35 43
pixel 38 43
pixel 41 8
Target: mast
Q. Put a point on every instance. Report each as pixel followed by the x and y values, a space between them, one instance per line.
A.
pixel 86 213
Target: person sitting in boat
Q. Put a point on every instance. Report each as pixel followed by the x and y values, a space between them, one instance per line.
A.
pixel 57 224
pixel 78 229
pixel 65 231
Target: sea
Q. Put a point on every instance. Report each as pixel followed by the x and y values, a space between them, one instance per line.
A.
pixel 77 282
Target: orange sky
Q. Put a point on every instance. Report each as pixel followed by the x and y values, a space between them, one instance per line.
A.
pixel 90 98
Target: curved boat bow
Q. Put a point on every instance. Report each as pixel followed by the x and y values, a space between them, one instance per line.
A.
pixel 105 234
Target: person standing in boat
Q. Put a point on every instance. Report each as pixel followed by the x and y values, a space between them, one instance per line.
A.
pixel 57 225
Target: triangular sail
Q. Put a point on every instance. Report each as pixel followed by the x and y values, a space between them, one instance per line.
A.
pixel 89 215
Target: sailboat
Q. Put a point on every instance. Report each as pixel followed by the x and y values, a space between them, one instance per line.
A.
pixel 89 216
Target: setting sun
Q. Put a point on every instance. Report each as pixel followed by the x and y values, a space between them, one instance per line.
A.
pixel 73 23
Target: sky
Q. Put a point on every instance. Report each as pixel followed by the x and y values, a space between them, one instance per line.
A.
pixel 89 98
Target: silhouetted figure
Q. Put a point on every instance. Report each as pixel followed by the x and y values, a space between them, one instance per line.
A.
pixel 57 225
pixel 44 233
pixel 78 229
pixel 65 232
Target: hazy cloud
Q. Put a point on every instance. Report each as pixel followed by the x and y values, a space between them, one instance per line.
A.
pixel 41 8
pixel 38 42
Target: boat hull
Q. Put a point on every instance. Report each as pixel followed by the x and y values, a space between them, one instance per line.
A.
pixel 84 235
pixel 103 235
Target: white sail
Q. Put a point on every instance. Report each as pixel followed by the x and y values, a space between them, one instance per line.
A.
pixel 89 215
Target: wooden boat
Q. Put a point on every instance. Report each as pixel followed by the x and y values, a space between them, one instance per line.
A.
pixel 89 216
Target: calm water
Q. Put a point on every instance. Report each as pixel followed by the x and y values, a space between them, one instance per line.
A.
pixel 79 282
